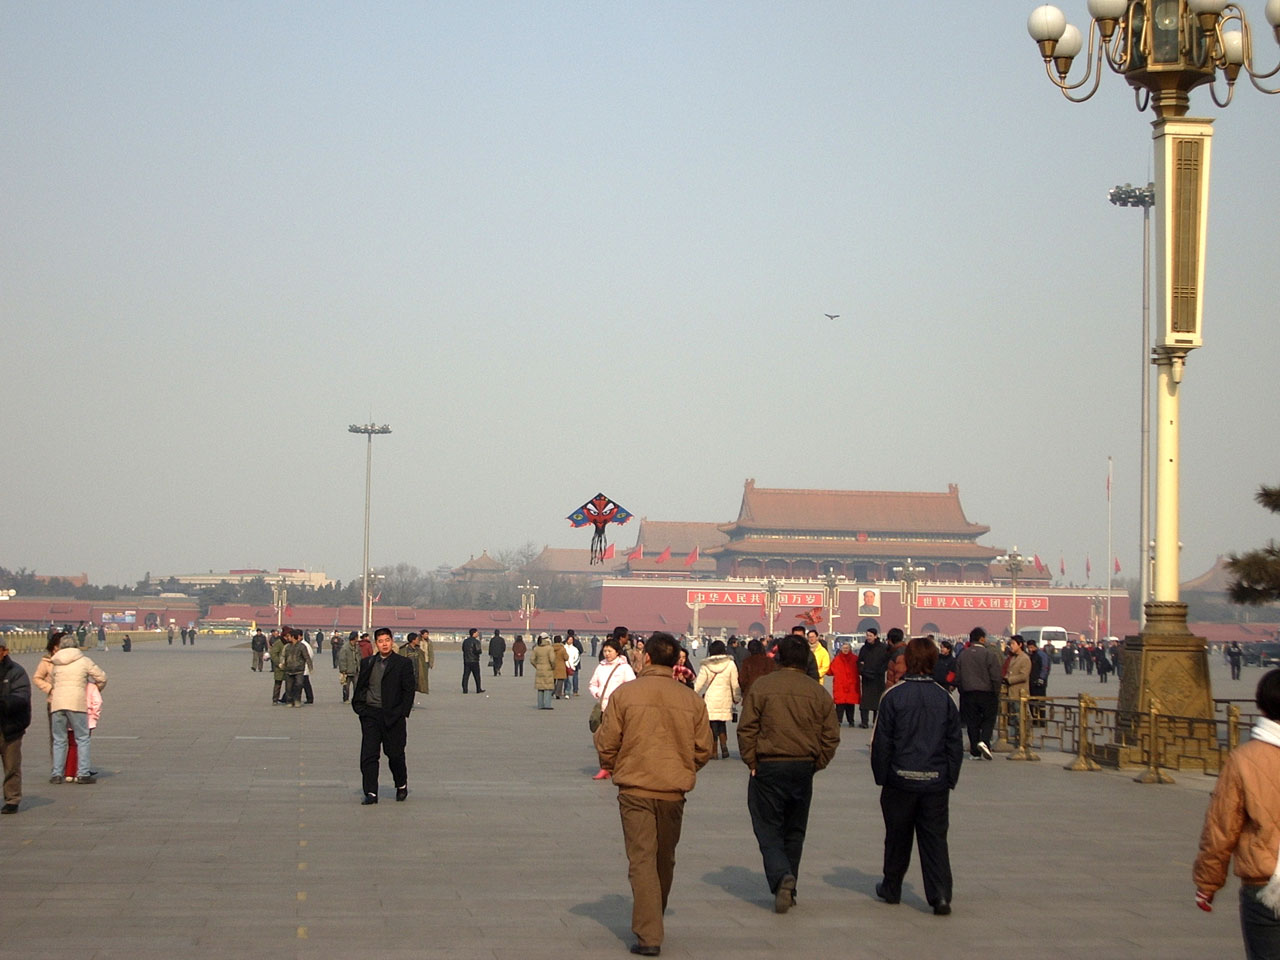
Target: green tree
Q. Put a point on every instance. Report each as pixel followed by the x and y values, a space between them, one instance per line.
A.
pixel 1257 573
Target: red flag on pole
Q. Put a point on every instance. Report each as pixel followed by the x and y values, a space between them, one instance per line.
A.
pixel 1117 564
pixel 1039 564
pixel 637 553
pixel 1088 567
pixel 608 552
pixel 692 558
pixel 377 598
pixel 1062 566
pixel 663 557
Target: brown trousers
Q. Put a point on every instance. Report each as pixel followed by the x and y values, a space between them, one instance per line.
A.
pixel 11 756
pixel 650 832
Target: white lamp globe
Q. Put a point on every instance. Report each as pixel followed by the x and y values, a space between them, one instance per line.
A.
pixel 1108 9
pixel 1069 43
pixel 1233 46
pixel 1206 6
pixel 1047 23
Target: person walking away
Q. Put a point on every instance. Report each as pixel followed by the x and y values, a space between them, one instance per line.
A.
pixel 1016 682
pixel 68 709
pixel 896 668
pixel 571 640
pixel 560 662
pixel 497 651
pixel 336 645
pixel 846 687
pixel 756 665
pixel 916 752
pixel 425 653
pixel 1235 657
pixel 1243 818
pixel 348 665
pixel 544 673
pixel 979 678
pixel 1102 663
pixel 383 700
pixel 1041 663
pixel 788 732
pixel 717 684
pixel 306 673
pixel 518 651
pixel 471 660
pixel 257 646
pixel 611 672
pixel 15 717
pixel 873 660
pixel 294 660
pixel 366 646
pixel 653 740
pixel 572 663
pixel 102 637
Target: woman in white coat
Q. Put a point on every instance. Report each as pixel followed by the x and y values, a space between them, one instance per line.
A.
pixel 718 684
pixel 611 673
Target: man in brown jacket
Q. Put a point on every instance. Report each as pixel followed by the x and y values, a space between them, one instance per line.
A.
pixel 653 740
pixel 788 732
pixel 1017 683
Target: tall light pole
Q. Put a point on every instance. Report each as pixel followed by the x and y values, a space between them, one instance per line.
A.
pixel 909 584
pixel 1014 561
pixel 832 583
pixel 368 429
pixel 1144 197
pixel 528 603
pixel 1165 50
pixel 772 588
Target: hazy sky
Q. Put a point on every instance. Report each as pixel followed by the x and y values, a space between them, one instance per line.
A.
pixel 570 247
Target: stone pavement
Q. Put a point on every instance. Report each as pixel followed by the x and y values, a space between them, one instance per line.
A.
pixel 223 826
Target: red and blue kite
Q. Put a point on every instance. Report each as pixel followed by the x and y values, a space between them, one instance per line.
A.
pixel 599 512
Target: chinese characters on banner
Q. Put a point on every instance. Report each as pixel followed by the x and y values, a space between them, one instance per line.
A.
pixel 937 601
pixel 754 598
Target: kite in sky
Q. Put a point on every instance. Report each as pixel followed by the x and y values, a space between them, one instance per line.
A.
pixel 599 512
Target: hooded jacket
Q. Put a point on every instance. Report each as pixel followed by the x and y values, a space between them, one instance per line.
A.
pixel 717 683
pixel 71 671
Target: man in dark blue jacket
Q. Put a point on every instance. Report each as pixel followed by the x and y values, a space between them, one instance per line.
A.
pixel 471 651
pixel 916 752
pixel 15 717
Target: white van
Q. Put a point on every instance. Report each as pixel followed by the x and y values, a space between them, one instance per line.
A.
pixel 1055 637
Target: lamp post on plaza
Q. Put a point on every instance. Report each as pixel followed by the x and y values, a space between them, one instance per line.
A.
pixel 1144 197
pixel 528 602
pixel 772 588
pixel 368 429
pixel 832 598
pixel 1165 49
pixel 279 599
pixel 910 587
pixel 1014 562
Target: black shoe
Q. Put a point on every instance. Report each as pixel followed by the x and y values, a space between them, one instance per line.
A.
pixel 56 778
pixel 401 793
pixel 785 895
pixel 880 892
pixel 369 799
pixel 88 778
pixel 479 691
pixel 642 950
pixel 863 724
pixel 942 909
pixel 9 808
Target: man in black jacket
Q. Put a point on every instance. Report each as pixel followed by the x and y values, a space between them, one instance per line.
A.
pixel 978 675
pixel 497 650
pixel 873 660
pixel 15 717
pixel 382 700
pixel 471 660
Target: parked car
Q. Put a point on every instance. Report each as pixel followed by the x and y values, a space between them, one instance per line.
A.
pixel 1265 654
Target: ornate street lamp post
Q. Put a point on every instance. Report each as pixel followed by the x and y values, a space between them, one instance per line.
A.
pixel 832 584
pixel 528 602
pixel 1165 49
pixel 772 588
pixel 368 429
pixel 909 584
pixel 1014 562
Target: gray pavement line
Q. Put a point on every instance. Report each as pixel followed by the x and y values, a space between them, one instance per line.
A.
pixel 256 738
pixel 103 736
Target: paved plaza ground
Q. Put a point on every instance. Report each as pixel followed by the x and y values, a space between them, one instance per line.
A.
pixel 223 826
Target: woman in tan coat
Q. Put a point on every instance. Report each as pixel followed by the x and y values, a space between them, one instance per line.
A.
pixel 65 681
pixel 717 683
pixel 544 673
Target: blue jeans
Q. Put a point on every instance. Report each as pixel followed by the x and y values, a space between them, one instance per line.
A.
pixel 79 722
pixel 1260 926
pixel 544 699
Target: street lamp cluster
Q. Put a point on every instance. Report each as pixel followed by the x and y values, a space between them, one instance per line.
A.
pixel 1165 49
pixel 368 429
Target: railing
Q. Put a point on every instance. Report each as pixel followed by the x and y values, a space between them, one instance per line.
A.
pixel 1102 735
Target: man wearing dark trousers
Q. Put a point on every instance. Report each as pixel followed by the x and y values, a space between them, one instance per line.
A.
pixel 471 651
pixel 978 676
pixel 788 731
pixel 382 700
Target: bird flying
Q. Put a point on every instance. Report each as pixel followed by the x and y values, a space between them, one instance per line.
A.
pixel 832 316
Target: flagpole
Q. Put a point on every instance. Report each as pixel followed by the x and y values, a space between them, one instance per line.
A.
pixel 1111 562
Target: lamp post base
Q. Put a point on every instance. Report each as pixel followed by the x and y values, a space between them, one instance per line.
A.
pixel 1166 665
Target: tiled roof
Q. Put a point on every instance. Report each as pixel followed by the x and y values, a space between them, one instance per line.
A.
pixel 563 560
pixel 1213 580
pixel 866 511
pixel 484 563
pixel 869 549
pixel 657 535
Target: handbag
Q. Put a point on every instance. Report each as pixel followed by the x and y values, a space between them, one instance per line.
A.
pixel 597 712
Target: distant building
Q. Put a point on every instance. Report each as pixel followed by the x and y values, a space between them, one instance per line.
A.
pixel 481 569
pixel 291 576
